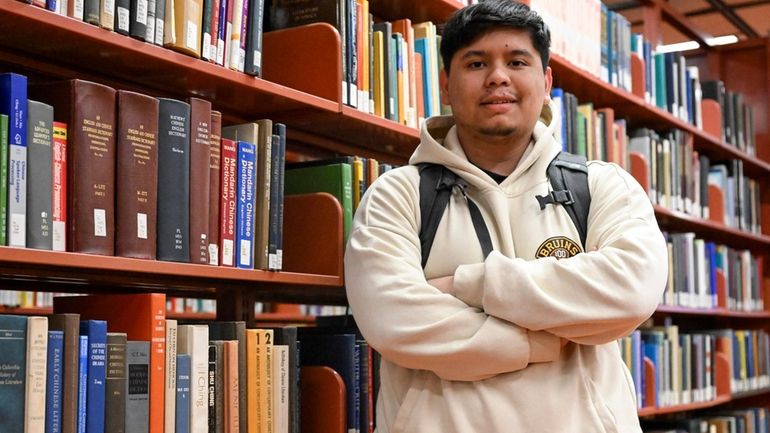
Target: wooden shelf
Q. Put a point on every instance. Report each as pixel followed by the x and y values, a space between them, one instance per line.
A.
pixel 716 312
pixel 437 11
pixel 22 269
pixel 651 411
pixel 259 317
pixel 680 221
pixel 26 311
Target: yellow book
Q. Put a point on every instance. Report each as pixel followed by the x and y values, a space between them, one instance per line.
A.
pixel 358 181
pixel 182 28
pixel 363 86
pixel 379 80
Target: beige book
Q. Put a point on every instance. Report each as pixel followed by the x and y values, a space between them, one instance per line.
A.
pixel 34 390
pixel 107 14
pixel 193 340
pixel 170 388
pixel 231 387
pixel 280 388
pixel 182 27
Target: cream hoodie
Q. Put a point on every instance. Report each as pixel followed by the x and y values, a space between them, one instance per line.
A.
pixel 487 357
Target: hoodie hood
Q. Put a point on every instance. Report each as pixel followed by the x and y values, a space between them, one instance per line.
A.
pixel 439 144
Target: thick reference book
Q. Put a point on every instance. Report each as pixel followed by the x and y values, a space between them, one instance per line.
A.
pixel 246 199
pixel 96 330
pixel 13 335
pixel 115 383
pixel 227 202
pixel 200 159
pixel 142 317
pixel 183 393
pixel 39 175
pixel 88 109
pixel 13 103
pixel 53 386
pixel 174 181
pixel 137 173
pixel 69 324
pixel 215 181
pixel 122 17
pixel 138 382
pixel 59 204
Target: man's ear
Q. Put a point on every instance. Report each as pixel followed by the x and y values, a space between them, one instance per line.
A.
pixel 443 80
pixel 548 84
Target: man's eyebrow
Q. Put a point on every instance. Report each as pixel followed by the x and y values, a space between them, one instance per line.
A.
pixel 481 53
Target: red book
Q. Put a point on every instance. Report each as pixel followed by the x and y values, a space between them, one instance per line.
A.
pixel 215 179
pixel 200 159
pixel 59 186
pixel 214 30
pixel 142 317
pixel 229 158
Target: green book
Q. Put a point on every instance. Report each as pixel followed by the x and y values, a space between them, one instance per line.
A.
pixel 660 81
pixel 3 178
pixel 336 179
pixel 582 139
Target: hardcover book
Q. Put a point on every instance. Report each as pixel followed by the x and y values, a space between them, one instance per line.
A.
pixel 13 334
pixel 53 386
pixel 3 179
pixel 227 203
pixel 88 109
pixel 13 103
pixel 170 373
pixel 138 382
pixel 236 331
pixel 182 30
pixel 215 182
pixel 200 160
pixel 193 340
pixel 137 174
pixel 246 193
pixel 115 383
pixel 82 383
pixel 39 175
pixel 59 204
pixel 183 393
pixel 37 350
pixel 69 324
pixel 96 330
pixel 138 19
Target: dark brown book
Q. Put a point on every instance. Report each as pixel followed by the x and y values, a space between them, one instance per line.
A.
pixel 137 176
pixel 115 384
pixel 88 109
pixel 215 135
pixel 70 325
pixel 200 159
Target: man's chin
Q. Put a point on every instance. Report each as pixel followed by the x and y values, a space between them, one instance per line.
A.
pixel 498 131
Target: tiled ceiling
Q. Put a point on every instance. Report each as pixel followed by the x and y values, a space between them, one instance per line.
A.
pixel 705 15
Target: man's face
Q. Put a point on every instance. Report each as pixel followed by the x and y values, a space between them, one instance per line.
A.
pixel 496 85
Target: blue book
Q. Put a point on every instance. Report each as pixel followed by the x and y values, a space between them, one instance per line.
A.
pixel 183 394
pixel 13 103
pixel 246 202
pixel 557 94
pixel 13 356
pixel 421 46
pixel 53 386
pixel 96 330
pixel 711 252
pixel 82 383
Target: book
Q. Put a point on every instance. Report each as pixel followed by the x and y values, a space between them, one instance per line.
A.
pixel 35 380
pixel 96 331
pixel 137 27
pixel 82 383
pixel 280 388
pixel 253 55
pixel 246 195
pixel 39 175
pixel 232 388
pixel 183 393
pixel 173 181
pixel 234 331
pixel 107 14
pixel 182 30
pixel 227 203
pixel 13 103
pixel 115 383
pixel 149 35
pixel 137 173
pixel 200 160
pixel 275 237
pixel 3 179
pixel 287 336
pixel 138 382
pixel 59 202
pixel 193 340
pixel 216 386
pixel 88 109
pixel 258 342
pixel 215 182
pixel 69 324
pixel 53 385
pixel 170 375
pixel 142 317
pixel 13 334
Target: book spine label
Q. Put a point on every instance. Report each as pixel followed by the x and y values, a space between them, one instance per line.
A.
pixel 215 179
pixel 246 201
pixel 227 204
pixel 40 175
pixel 3 179
pixel 54 382
pixel 59 204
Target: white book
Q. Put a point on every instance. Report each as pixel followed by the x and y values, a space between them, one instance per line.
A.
pixel 193 340
pixel 34 389
pixel 280 389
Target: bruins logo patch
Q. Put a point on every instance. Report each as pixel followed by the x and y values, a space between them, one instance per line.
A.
pixel 558 246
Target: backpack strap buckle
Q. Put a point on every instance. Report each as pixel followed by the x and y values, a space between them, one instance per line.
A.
pixel 563 197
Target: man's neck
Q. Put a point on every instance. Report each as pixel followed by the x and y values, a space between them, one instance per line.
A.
pixel 499 156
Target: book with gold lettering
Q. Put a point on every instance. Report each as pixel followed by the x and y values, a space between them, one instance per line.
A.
pixel 200 159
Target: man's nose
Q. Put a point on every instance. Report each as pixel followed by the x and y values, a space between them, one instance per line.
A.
pixel 498 76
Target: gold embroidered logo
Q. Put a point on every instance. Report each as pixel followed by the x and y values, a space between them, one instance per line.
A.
pixel 559 246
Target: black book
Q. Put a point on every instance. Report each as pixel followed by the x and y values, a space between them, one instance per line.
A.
pixel 160 16
pixel 705 166
pixel 214 358
pixel 137 20
pixel 115 384
pixel 122 16
pixel 253 65
pixel 39 175
pixel 174 181
pixel 387 61
pixel 275 238
pixel 91 11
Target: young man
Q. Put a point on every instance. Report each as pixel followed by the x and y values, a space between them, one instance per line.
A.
pixel 524 339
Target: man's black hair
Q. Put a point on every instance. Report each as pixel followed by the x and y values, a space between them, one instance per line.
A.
pixel 468 23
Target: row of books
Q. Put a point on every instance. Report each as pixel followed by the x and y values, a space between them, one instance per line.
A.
pixel 735 420
pixel 684 362
pixel 697 269
pixel 228 33
pixel 141 177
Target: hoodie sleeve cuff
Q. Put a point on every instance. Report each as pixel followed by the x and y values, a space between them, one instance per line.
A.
pixel 543 346
pixel 469 284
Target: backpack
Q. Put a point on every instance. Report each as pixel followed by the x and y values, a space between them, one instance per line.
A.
pixel 567 173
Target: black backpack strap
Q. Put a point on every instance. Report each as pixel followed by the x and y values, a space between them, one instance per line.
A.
pixel 436 185
pixel 568 175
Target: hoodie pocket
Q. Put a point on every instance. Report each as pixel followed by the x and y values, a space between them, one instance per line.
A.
pixel 409 405
pixel 602 411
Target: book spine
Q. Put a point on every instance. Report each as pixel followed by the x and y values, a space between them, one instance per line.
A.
pixel 59 203
pixel 115 384
pixel 246 201
pixel 227 203
pixel 137 386
pixel 215 8
pixel 150 31
pixel 206 30
pixel 211 390
pixel 253 65
pixel 97 355
pixel 222 31
pixel 215 180
pixel 82 383
pixel 276 217
pixel 231 387
pixel 160 19
pixel 37 349
pixel 75 9
pixel 53 388
pixel 194 341
pixel 173 181
pixel 183 393
pixel 107 14
pixel 3 179
pixel 234 42
pixel 13 91
pixel 264 176
pixel 138 19
pixel 122 17
pixel 272 243
pixel 91 13
pixel 157 361
pixel 69 324
pixel 40 175
pixel 171 376
pixel 13 331
pixel 200 159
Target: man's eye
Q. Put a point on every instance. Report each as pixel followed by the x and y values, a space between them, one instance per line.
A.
pixel 476 65
pixel 517 63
